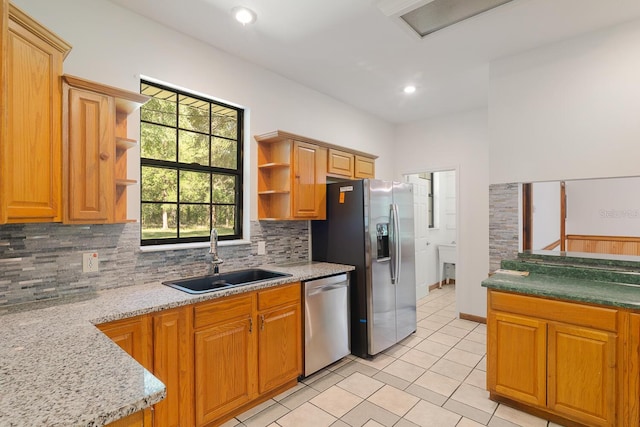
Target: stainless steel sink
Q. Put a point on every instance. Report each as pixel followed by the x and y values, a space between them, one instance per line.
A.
pixel 216 282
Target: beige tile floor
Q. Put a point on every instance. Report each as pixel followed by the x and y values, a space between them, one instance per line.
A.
pixel 435 377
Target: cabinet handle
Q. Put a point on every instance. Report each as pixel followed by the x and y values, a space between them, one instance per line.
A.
pixel 262 322
pixel 104 156
pixel 250 324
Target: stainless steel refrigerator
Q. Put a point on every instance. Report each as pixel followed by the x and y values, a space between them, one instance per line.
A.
pixel 370 225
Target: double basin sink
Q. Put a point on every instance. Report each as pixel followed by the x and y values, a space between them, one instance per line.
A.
pixel 220 281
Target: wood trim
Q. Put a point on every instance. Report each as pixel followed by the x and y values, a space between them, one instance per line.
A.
pixel 552 245
pixel 578 314
pixel 440 284
pixel 563 216
pixel 279 135
pixel 126 101
pixel 538 412
pixel 619 245
pixel 633 239
pixel 4 116
pixel 24 20
pixel 527 216
pixel 473 318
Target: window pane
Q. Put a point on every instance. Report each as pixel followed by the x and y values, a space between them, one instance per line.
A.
pixel 194 114
pixel 159 221
pixel 194 148
pixel 224 189
pixel 157 142
pixel 223 219
pixel 159 184
pixel 157 110
pixel 224 153
pixel 224 122
pixel 194 187
pixel 194 220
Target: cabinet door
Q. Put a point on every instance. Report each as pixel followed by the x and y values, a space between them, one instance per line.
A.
pixel 632 396
pixel 225 360
pixel 364 167
pixel 89 157
pixel 30 156
pixel 173 365
pixel 133 336
pixel 280 347
pixel 309 181
pixel 340 163
pixel 582 366
pixel 516 347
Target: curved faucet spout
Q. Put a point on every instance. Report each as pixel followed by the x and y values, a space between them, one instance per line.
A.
pixel 213 250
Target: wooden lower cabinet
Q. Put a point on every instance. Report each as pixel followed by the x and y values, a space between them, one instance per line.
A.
pixel 133 336
pixel 173 365
pixel 632 384
pixel 225 354
pixel 216 358
pixel 568 371
pixel 581 372
pixel 133 420
pixel 280 337
pixel 516 357
pixel 246 347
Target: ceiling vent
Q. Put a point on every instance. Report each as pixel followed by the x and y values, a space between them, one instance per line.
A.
pixel 439 14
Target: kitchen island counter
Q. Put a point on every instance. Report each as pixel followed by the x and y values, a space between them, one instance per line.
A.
pixel 58 369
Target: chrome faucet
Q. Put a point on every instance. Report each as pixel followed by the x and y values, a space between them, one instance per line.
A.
pixel 213 250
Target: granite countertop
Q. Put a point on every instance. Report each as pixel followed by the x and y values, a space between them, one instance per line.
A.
pixel 58 369
pixel 615 294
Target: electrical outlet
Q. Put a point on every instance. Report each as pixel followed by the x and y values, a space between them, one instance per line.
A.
pixel 262 247
pixel 90 262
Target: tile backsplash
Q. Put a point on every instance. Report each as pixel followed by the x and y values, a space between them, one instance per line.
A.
pixel 44 261
pixel 503 223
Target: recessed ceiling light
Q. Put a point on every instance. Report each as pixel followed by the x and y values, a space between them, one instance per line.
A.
pixel 409 89
pixel 244 15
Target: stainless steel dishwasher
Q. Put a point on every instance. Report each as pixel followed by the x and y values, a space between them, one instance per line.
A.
pixel 326 321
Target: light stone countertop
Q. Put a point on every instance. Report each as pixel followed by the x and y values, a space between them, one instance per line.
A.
pixel 58 369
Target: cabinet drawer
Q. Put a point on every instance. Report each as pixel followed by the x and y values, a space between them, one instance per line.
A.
pixel 278 296
pixel 561 311
pixel 209 313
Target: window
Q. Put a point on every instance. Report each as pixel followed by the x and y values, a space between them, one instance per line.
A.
pixel 191 167
pixel 428 177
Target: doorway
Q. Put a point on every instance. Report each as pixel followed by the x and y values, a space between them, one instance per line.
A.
pixel 435 222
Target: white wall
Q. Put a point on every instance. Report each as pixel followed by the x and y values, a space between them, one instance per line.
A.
pixel 568 110
pixel 457 142
pixel 546 214
pixel 114 46
pixel 606 207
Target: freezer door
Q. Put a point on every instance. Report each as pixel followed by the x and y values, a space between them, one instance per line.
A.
pixel 406 283
pixel 381 310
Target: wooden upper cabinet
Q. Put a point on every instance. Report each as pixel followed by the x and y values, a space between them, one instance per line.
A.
pixel 291 177
pixel 293 171
pixel 89 157
pixel 365 167
pixel 31 98
pixel 95 145
pixel 309 191
pixel 340 163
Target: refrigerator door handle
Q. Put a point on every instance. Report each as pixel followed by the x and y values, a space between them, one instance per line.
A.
pixel 397 252
pixel 394 247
